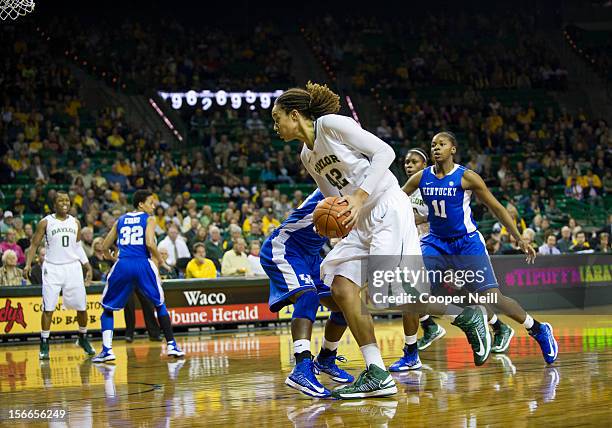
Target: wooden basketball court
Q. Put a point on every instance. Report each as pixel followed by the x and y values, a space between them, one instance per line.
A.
pixel 237 380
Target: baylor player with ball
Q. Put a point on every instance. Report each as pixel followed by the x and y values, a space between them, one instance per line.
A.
pixel 62 271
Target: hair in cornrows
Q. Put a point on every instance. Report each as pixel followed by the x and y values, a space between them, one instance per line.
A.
pixel 451 137
pixel 314 101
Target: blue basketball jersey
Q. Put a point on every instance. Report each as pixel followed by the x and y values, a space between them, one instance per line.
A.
pixel 450 214
pixel 131 229
pixel 299 226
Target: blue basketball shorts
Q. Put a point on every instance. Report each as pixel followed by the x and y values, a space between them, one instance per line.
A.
pixel 128 273
pixel 290 272
pixel 465 256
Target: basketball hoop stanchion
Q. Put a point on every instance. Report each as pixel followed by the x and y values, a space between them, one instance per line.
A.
pixel 13 9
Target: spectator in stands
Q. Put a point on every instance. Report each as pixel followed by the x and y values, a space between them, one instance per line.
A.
pixel 165 270
pixel 87 239
pixel 115 140
pixel 256 234
pixel 592 185
pixel 519 221
pixel 253 257
pixel 36 272
pixel 493 246
pixel 235 261
pixel 33 203
pixel 7 221
pixel 24 242
pixel 100 265
pixel 176 246
pixel 565 242
pixel 11 244
pixel 269 220
pixel 549 247
pixel 10 274
pixel 581 244
pixel 199 236
pixel 607 182
pixel 38 171
pixel 214 246
pixel 529 237
pixel 200 266
pixel 604 243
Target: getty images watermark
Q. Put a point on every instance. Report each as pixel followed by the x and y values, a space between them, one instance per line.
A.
pixel 395 282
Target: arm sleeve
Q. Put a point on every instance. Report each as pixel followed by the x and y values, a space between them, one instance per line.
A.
pixel 380 154
pixel 325 186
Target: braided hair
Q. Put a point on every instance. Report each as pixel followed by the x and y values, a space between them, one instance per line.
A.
pixel 313 102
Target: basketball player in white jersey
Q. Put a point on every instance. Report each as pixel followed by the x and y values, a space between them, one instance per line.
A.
pixel 62 270
pixel 345 160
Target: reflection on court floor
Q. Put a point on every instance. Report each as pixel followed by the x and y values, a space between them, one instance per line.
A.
pixel 238 380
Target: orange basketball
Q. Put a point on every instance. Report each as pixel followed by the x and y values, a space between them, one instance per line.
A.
pixel 326 220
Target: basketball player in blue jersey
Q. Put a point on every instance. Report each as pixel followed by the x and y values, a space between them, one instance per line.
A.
pixel 446 188
pixel 416 160
pixel 137 266
pixel 291 258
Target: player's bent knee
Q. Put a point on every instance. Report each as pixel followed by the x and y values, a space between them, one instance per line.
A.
pixel 338 318
pixel 306 306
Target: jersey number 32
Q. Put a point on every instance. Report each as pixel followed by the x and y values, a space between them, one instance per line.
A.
pixel 131 235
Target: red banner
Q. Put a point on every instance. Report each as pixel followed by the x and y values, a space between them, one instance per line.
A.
pixel 225 314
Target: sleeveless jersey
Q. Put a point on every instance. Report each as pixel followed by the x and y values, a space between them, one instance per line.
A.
pixel 61 237
pixel 450 215
pixel 339 165
pixel 131 229
pixel 298 229
pixel 421 208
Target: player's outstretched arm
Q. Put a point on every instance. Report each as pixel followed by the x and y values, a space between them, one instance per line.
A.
pixel 34 244
pixel 108 242
pixel 413 183
pixel 151 242
pixel 472 181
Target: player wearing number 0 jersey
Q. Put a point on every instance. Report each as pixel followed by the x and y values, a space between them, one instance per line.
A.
pixel 348 161
pixel 291 257
pixel 62 270
pixel 454 238
pixel 137 266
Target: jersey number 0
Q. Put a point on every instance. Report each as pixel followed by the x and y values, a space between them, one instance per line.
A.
pixel 131 235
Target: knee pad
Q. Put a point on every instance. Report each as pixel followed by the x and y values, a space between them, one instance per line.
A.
pixel 337 318
pixel 161 310
pixel 306 306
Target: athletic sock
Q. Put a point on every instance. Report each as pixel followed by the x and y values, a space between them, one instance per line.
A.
pixel 411 347
pixel 301 350
pixel 532 325
pixel 409 340
pixel 495 323
pixel 371 355
pixel 427 321
pixel 328 348
pixel 82 332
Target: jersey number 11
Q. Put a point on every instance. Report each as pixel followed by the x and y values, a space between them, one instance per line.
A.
pixel 439 208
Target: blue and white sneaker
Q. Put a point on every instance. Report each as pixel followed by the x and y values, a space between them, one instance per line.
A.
pixel 174 350
pixel 304 380
pixel 328 366
pixel 410 361
pixel 104 356
pixel 547 342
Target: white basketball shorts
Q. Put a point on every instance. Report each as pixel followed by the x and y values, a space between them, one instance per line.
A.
pixel 67 279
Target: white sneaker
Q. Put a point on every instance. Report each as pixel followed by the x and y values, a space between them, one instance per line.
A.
pixel 174 350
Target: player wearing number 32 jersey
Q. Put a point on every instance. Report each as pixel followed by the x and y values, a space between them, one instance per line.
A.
pixel 137 266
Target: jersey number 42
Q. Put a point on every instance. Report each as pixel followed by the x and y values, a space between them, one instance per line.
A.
pixel 131 235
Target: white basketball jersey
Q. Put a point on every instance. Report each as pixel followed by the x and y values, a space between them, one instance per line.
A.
pixel 421 208
pixel 61 237
pixel 338 167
